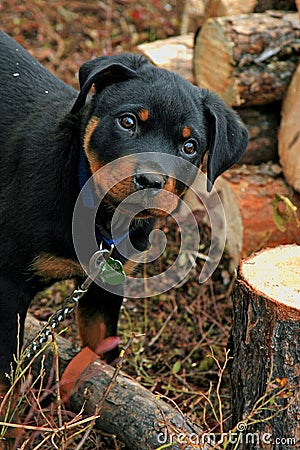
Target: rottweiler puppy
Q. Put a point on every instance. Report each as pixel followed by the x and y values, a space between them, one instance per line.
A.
pixel 53 138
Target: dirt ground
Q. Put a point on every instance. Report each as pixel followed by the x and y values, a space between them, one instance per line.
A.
pixel 62 34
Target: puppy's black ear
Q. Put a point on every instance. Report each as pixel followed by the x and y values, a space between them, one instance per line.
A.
pixel 228 137
pixel 101 72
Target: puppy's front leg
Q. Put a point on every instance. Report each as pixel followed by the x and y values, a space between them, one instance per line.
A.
pixel 14 300
pixel 97 316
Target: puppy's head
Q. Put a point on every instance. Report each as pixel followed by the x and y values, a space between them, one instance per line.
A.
pixel 137 108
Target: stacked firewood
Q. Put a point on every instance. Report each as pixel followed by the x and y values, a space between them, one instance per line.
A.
pixel 248 53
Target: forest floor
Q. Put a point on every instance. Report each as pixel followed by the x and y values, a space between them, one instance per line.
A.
pixel 186 330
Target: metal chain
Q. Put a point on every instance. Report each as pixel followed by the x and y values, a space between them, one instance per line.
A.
pixel 69 305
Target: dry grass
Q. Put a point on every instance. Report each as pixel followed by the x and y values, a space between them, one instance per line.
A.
pixel 180 354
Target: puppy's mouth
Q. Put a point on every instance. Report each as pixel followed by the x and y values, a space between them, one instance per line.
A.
pixel 154 201
pixel 143 194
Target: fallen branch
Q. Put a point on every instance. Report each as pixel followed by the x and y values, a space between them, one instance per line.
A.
pixel 134 415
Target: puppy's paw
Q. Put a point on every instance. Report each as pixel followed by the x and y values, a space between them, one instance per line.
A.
pixel 74 369
pixel 77 365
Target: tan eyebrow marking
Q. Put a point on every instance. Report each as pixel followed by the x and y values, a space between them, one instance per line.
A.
pixel 186 132
pixel 143 114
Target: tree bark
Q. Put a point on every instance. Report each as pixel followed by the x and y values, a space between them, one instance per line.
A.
pixel 256 188
pixel 289 133
pixel 262 123
pixel 265 341
pixel 132 413
pixel 248 59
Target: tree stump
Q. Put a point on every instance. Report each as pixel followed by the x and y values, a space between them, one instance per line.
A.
pixel 265 344
pixel 248 59
pixel 289 133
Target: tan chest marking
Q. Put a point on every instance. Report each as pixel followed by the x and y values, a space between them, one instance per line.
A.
pixel 49 267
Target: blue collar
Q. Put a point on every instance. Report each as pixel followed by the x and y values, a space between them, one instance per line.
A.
pixel 89 202
pixel 103 236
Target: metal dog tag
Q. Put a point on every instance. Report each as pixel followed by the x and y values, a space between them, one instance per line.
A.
pixel 97 260
pixel 112 272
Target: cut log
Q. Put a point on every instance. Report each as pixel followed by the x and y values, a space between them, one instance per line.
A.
pixel 219 8
pixel 289 133
pixel 234 226
pixel 248 59
pixel 195 12
pixel 175 54
pixel 262 123
pixel 192 15
pixel 130 412
pixel 265 341
pixel 263 5
pixel 256 188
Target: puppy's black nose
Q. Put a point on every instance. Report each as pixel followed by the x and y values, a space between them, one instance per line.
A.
pixel 149 180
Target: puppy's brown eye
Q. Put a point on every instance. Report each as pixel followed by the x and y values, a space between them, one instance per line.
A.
pixel 189 147
pixel 127 122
